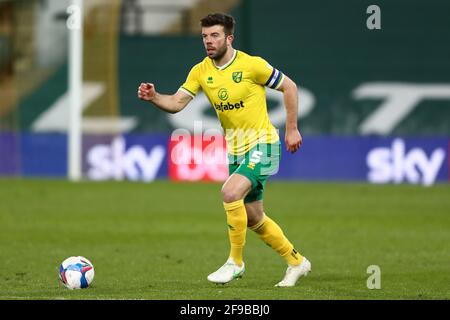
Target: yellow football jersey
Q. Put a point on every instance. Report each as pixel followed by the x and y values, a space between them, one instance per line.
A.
pixel 236 90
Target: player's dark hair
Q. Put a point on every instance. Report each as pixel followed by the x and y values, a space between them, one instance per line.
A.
pixel 222 19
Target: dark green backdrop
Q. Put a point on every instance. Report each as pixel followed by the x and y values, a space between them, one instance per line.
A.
pixel 324 46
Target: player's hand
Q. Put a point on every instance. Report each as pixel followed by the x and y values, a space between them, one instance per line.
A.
pixel 146 91
pixel 293 140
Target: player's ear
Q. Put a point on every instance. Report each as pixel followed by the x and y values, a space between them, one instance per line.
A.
pixel 230 39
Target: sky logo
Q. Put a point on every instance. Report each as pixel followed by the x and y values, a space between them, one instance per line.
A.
pixel 116 161
pixel 398 165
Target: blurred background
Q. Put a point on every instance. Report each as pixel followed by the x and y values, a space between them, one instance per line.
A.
pixel 374 103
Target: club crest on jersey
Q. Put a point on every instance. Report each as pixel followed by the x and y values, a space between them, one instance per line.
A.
pixel 237 76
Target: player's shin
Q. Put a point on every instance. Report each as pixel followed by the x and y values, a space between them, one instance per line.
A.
pixel 237 228
pixel 269 231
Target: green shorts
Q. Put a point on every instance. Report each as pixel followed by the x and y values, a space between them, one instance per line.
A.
pixel 257 165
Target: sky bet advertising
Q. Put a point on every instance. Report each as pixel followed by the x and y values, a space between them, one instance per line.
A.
pixel 135 157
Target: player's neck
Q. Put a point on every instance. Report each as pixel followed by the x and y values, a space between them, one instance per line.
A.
pixel 226 59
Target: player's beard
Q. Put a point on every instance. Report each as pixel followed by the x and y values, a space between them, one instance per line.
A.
pixel 221 51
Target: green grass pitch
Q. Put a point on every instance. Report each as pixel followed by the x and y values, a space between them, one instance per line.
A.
pixel 161 240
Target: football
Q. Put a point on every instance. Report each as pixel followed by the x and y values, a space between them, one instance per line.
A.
pixel 76 272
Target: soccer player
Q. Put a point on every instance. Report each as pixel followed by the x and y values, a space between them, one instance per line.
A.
pixel 234 83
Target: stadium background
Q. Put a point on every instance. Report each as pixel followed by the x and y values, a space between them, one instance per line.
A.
pixel 345 73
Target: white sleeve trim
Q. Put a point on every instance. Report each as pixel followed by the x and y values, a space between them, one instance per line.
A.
pixel 187 92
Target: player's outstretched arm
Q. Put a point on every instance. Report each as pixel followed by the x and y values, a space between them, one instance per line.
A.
pixel 169 103
pixel 293 138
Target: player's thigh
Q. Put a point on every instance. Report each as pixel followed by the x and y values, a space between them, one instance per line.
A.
pixel 235 188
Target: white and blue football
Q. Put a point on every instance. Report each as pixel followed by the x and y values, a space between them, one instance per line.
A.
pixel 76 272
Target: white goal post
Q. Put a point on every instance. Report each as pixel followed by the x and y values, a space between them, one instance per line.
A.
pixel 75 78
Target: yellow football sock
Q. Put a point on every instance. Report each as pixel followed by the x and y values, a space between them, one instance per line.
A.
pixel 237 228
pixel 274 237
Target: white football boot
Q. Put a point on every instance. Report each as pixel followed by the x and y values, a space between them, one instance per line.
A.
pixel 294 273
pixel 229 271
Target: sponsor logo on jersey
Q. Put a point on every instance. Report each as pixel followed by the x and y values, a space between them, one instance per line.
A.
pixel 228 106
pixel 223 94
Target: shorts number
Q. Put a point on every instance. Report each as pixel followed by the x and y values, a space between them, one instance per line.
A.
pixel 256 156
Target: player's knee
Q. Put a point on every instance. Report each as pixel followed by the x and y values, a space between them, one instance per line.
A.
pixel 229 195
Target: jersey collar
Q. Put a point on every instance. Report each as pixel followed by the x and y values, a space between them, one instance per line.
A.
pixel 228 63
